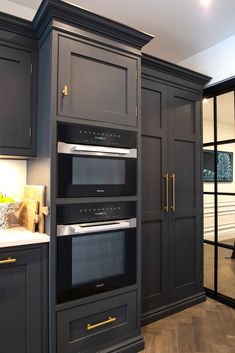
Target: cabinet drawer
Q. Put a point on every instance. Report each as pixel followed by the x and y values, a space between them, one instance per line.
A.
pixel 96 83
pixel 83 328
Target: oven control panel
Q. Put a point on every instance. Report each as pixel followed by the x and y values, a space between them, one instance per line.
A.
pixel 94 212
pixel 95 135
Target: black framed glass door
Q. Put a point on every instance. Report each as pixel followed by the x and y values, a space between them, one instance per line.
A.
pixel 219 192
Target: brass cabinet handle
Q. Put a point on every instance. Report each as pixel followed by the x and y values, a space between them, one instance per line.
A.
pixel 173 192
pixel 92 326
pixel 166 177
pixel 9 260
pixel 65 91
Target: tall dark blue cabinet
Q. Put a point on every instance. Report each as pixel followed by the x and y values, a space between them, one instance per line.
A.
pixel 172 231
pixel 89 71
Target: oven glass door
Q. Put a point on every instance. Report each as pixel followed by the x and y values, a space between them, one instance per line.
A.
pixel 91 263
pixel 96 174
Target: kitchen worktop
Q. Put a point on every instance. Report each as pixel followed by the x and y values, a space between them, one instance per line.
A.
pixel 17 235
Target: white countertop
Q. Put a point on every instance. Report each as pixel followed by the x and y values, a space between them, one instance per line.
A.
pixel 17 235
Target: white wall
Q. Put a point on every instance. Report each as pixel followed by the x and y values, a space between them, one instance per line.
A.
pixel 217 61
pixel 12 177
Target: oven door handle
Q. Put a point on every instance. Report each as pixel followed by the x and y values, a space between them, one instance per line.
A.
pixel 85 228
pixel 95 150
pixel 101 149
pixel 99 228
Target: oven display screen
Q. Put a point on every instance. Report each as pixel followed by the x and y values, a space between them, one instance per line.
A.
pixel 98 171
pixel 96 257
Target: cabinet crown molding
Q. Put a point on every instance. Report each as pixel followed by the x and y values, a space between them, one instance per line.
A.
pixel 16 25
pixel 166 67
pixel 82 18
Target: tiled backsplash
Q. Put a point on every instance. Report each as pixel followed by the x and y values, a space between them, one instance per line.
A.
pixel 12 177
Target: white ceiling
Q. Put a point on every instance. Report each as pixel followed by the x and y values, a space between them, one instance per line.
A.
pixel 182 28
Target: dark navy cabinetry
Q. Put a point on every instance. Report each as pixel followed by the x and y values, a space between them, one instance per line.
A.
pixel 96 83
pixel 171 188
pixel 24 304
pixel 18 74
pixel 89 83
pixel 99 324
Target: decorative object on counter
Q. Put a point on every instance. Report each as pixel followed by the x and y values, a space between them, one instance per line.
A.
pixel 33 210
pixel 7 206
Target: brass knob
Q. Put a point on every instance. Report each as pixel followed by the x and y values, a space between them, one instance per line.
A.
pixel 65 91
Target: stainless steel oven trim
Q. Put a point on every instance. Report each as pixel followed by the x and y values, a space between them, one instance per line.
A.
pixel 92 150
pixel 95 227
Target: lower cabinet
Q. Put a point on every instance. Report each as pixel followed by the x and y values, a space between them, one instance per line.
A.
pixel 23 300
pixel 95 326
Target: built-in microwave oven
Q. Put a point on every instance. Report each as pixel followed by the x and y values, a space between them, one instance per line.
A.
pixel 95 161
pixel 96 248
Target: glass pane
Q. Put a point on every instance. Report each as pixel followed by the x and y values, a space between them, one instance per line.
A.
pixel 226 272
pixel 93 171
pixel 95 258
pixel 208 169
pixel 208 120
pixel 225 116
pixel 209 217
pixel 209 266
pixel 226 219
pixel 225 168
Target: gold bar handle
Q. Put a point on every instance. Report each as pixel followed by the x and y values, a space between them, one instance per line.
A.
pixel 173 192
pixel 9 260
pixel 166 177
pixel 110 319
pixel 65 91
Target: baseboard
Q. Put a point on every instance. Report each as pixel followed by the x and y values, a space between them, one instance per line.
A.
pixel 132 345
pixel 220 298
pixel 172 308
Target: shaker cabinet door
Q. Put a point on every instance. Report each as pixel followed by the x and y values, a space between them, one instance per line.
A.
pixel 154 216
pixel 15 100
pixel 20 301
pixel 185 216
pixel 171 226
pixel 96 83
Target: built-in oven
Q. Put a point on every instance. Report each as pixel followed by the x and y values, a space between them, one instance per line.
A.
pixel 96 248
pixel 95 161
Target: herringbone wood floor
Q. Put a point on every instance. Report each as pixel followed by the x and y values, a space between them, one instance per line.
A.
pixel 208 327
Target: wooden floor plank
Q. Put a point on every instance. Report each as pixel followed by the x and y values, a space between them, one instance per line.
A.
pixel 208 327
pixel 186 337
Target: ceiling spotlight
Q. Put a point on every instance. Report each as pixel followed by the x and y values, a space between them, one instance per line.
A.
pixel 206 3
pixel 205 100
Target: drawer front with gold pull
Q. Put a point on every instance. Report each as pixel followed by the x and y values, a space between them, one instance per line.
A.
pixel 84 328
pixel 106 322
